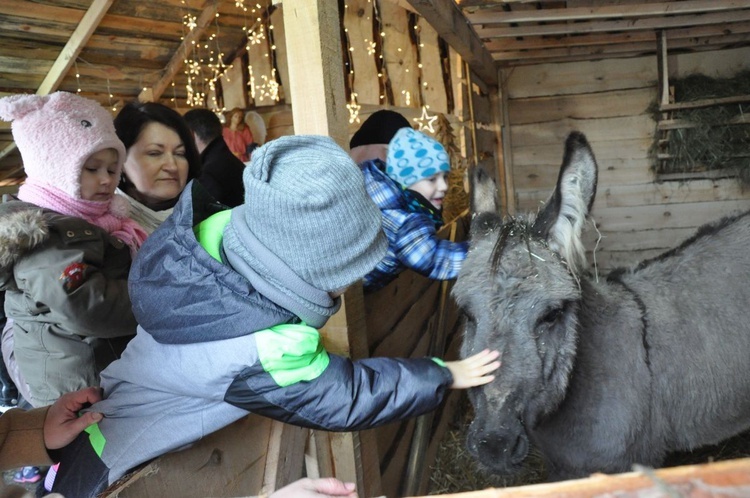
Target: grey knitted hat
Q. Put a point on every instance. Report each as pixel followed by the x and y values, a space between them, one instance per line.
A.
pixel 305 201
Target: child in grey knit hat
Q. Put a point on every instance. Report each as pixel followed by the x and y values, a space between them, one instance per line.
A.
pixel 228 303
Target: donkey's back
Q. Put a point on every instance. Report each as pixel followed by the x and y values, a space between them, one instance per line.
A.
pixel 696 327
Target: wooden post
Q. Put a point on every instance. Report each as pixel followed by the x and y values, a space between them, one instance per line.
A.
pixel 316 84
pixel 508 187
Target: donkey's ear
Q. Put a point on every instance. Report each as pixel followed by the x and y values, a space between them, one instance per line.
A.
pixel 564 215
pixel 485 215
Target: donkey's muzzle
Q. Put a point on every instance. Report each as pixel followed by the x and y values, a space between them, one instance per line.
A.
pixel 503 451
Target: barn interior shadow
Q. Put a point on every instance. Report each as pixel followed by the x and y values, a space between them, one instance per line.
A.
pixel 456 471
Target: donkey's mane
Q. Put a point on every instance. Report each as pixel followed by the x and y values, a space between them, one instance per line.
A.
pixel 704 231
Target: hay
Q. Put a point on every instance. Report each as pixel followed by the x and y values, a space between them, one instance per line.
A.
pixel 717 136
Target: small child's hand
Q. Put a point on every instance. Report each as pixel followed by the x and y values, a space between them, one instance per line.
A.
pixel 473 371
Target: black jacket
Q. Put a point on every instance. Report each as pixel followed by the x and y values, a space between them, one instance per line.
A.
pixel 221 173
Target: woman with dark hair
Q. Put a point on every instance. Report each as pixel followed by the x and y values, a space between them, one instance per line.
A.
pixel 161 159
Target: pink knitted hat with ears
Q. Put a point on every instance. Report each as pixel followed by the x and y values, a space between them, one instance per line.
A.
pixel 56 133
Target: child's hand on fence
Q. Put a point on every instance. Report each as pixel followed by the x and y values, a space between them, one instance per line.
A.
pixel 474 370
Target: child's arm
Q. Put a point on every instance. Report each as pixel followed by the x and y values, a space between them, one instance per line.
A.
pixel 298 382
pixel 419 248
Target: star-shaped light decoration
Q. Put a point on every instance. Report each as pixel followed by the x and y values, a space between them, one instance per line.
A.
pixel 425 121
pixel 190 22
pixel 371 47
pixel 256 37
pixel 353 107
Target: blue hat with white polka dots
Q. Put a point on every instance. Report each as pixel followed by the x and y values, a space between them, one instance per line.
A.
pixel 413 156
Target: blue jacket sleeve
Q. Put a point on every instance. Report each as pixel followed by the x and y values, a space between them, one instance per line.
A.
pixel 348 395
pixel 418 247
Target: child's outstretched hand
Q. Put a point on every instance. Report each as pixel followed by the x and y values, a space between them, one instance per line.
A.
pixel 474 370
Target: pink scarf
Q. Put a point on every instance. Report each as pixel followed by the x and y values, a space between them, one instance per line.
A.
pixel 111 215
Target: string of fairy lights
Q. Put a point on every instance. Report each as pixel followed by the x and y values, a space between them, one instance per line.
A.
pixel 204 64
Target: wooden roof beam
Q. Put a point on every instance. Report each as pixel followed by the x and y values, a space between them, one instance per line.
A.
pixel 153 93
pixel 67 57
pixel 607 12
pixel 454 28
pixel 613 26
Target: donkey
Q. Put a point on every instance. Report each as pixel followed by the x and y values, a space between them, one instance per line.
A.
pixel 599 375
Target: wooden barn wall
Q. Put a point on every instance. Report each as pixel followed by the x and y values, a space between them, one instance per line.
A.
pixel 609 101
pixel 415 70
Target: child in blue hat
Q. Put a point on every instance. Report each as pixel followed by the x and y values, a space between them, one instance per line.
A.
pixel 409 191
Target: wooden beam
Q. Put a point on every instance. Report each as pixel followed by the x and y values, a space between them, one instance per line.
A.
pixel 454 28
pixel 153 93
pixel 624 25
pixel 316 78
pixel 696 33
pixel 577 53
pixel 77 40
pixel 606 12
pixel 70 51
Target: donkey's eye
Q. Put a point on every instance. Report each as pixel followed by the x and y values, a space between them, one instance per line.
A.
pixel 552 316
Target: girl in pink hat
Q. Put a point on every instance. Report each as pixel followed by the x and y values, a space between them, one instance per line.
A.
pixel 66 246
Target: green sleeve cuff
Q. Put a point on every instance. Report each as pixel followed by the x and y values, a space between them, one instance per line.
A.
pixel 439 362
pixel 291 353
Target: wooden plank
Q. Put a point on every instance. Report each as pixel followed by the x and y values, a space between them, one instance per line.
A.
pixel 545 109
pixel 279 40
pixel 674 192
pixel 259 58
pixel 233 86
pixel 229 462
pixel 406 335
pixel 701 33
pixel 678 21
pixel 68 55
pixel 728 478
pixel 576 78
pixel 685 215
pixel 716 64
pixel 567 14
pixel 78 39
pixel 454 28
pixel 636 239
pixel 358 21
pixel 397 297
pixel 399 55
pixel 433 82
pixel 623 127
pixel 316 78
pixel 314 58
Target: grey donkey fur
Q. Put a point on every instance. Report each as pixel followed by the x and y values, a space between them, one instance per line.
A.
pixel 599 375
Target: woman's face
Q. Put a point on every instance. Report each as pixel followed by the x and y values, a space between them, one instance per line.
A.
pixel 156 164
pixel 235 119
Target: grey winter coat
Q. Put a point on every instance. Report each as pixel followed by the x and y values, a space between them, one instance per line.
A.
pixel 66 291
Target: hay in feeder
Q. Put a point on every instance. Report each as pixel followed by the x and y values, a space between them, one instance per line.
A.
pixel 713 137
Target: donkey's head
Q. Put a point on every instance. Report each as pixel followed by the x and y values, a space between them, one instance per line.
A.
pixel 519 289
